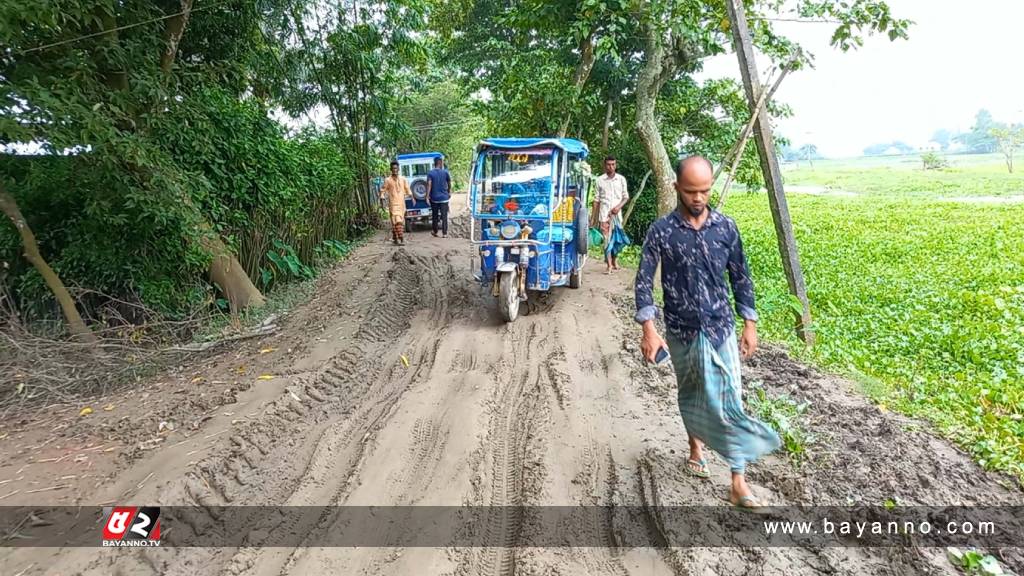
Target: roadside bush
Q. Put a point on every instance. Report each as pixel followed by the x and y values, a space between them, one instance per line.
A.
pixel 125 236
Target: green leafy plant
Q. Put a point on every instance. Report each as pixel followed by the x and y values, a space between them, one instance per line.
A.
pixel 783 415
pixel 287 263
pixel 933 161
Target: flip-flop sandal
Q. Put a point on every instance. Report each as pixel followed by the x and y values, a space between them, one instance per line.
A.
pixel 702 468
pixel 748 504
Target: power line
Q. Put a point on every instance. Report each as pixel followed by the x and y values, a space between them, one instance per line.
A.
pixel 125 27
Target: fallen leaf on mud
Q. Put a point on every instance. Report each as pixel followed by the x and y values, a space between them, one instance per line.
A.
pixel 267 350
pixel 265 377
pixel 240 369
pixel 108 407
pixel 197 380
pixel 85 411
pixel 296 396
pixel 405 361
pixel 882 408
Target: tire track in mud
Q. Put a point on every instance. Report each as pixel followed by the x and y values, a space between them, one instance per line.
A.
pixel 376 385
pixel 509 457
pixel 306 446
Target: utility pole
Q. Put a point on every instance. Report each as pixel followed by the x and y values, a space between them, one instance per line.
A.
pixel 770 167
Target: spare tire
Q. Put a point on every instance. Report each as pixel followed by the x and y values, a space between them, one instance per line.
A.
pixel 582 229
pixel 419 189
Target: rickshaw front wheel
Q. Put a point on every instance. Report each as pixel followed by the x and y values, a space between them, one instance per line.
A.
pixel 508 296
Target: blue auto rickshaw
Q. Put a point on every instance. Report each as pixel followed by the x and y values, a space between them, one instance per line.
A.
pixel 529 218
pixel 414 167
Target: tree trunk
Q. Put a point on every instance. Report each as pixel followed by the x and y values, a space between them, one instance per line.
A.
pixel 229 275
pixel 649 82
pixel 78 329
pixel 607 123
pixel 579 78
pixel 174 28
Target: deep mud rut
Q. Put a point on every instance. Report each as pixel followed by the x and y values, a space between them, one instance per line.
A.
pixel 554 409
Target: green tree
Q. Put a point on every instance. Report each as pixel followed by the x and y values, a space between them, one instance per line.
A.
pixel 1008 140
pixel 645 56
pixel 943 138
pixel 438 117
pixel 979 139
pixel 809 152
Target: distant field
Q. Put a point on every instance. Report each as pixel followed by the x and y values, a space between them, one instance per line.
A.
pixel 968 175
pixel 919 297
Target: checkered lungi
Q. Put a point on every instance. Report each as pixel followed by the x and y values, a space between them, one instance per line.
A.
pixel 711 404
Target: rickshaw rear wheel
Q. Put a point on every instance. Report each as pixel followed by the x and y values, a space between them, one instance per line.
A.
pixel 508 296
pixel 576 276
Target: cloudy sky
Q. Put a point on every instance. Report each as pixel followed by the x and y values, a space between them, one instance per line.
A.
pixel 961 56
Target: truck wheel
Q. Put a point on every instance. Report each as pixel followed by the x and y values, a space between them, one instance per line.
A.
pixel 508 296
pixel 408 225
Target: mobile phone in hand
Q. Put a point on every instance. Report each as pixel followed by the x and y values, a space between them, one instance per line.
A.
pixel 661 356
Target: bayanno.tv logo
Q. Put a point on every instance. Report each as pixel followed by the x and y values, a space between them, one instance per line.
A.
pixel 131 526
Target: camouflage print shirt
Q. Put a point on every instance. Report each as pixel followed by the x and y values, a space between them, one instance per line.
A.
pixel 693 267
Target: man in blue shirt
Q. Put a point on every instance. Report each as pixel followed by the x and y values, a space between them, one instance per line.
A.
pixel 696 247
pixel 439 186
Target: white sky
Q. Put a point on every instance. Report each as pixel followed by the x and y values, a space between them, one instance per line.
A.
pixel 961 56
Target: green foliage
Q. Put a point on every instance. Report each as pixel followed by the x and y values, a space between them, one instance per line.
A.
pixel 155 160
pixel 437 117
pixel 1008 140
pixel 923 295
pixel 972 561
pixel 287 263
pixel 933 161
pixel 979 139
pixel 783 414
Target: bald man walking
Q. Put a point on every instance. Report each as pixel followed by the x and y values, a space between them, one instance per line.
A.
pixel 696 247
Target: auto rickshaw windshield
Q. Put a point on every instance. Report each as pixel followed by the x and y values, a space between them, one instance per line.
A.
pixel 516 182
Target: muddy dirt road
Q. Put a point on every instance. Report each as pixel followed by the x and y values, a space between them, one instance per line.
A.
pixel 397 384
